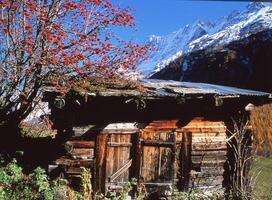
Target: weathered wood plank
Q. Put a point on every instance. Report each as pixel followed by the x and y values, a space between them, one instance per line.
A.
pixel 100 170
pixel 208 152
pixel 81 144
pixel 208 181
pixel 119 144
pixel 209 158
pixel 150 158
pixel 113 128
pixel 186 160
pixel 120 171
pixel 160 143
pixel 203 129
pixel 73 170
pixel 208 140
pixel 162 124
pixel 208 164
pixel 209 146
pixel 82 153
pixel 74 163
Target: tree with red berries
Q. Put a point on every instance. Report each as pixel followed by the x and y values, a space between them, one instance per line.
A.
pixel 61 42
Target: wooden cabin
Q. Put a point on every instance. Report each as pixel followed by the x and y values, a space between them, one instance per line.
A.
pixel 170 136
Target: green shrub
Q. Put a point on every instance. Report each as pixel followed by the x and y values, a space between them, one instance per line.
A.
pixel 14 184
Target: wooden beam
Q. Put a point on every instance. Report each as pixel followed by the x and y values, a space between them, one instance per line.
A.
pixel 100 162
pixel 119 144
pixel 160 143
pixel 186 159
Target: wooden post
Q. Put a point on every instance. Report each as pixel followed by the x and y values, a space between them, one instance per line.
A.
pixel 100 161
pixel 174 150
pixel 138 160
pixel 186 159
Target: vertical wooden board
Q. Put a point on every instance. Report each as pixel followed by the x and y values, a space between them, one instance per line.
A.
pixel 149 157
pixel 162 135
pixel 109 163
pixel 100 152
pixel 145 163
pixel 186 160
pixel 116 154
pixel 149 169
pixel 178 163
pixel 165 163
pixel 127 156
pixel 179 136
pixel 110 160
pixel 124 157
pixel 122 154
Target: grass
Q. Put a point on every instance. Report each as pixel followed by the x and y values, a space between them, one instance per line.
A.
pixel 262 170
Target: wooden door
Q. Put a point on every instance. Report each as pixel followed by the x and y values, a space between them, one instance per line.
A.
pixel 118 161
pixel 158 158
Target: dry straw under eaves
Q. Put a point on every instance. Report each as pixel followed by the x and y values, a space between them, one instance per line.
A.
pixel 261 121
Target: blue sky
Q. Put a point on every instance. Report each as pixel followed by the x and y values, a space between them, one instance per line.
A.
pixel 160 17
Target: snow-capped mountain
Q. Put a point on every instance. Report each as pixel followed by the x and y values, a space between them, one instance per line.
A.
pixel 167 48
pixel 202 35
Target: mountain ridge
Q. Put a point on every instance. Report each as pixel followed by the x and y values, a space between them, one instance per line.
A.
pixel 206 35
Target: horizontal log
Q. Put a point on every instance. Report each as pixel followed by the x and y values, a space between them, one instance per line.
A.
pixel 106 131
pixel 161 124
pixel 210 188
pixel 73 176
pixel 204 129
pixel 209 152
pixel 212 171
pixel 211 149
pixel 81 144
pixel 119 131
pixel 161 143
pixel 208 158
pixel 193 130
pixel 73 171
pixel 209 146
pixel 79 131
pixel 208 140
pixel 209 134
pixel 208 164
pixel 74 163
pixel 82 153
pixel 157 184
pixel 119 144
pixel 205 136
pixel 208 181
pixel 114 128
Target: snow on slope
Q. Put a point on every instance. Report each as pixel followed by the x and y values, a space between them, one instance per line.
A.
pixel 200 35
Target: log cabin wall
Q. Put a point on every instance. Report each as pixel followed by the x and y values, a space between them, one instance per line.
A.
pixel 168 149
pixel 208 153
pixel 164 155
pixel 183 157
